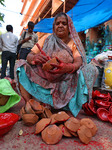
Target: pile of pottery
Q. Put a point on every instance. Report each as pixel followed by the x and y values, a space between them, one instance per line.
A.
pixel 100 105
pixel 53 127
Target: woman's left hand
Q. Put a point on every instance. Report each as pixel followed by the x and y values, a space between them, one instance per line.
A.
pixel 62 67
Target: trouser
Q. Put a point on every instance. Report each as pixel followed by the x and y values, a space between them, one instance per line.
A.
pixel 11 57
pixel 24 52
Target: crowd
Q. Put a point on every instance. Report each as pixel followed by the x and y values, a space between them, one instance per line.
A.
pixel 65 83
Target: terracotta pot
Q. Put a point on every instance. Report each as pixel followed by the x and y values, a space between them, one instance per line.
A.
pixel 89 124
pixel 22 111
pixel 72 124
pixel 7 121
pixel 102 104
pixel 62 116
pixel 84 134
pixel 92 108
pixel 3 99
pixel 28 109
pixel 51 134
pixel 110 110
pixel 102 114
pixel 87 110
pixel 47 66
pixel 65 131
pixel 110 118
pixel 74 133
pixel 30 119
pixel 53 120
pixel 35 105
pixel 42 124
pixel 48 112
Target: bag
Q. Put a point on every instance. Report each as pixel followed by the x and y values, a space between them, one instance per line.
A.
pixel 19 46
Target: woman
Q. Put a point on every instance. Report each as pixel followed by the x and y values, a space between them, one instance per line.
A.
pixel 68 85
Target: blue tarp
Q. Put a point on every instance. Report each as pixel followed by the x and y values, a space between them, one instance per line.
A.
pixel 85 14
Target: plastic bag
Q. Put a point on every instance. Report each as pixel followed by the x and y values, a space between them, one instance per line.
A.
pixel 7 90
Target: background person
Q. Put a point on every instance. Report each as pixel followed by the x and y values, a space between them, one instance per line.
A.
pixel 69 85
pixel 8 44
pixel 28 42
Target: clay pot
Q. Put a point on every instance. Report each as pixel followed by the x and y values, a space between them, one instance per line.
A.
pixel 74 133
pixel 47 66
pixel 110 118
pixel 87 110
pixel 110 110
pixel 53 120
pixel 102 104
pixel 28 109
pixel 48 112
pixel 102 114
pixel 51 134
pixel 89 124
pixel 3 99
pixel 22 111
pixel 7 121
pixel 62 116
pixel 35 105
pixel 92 108
pixel 42 124
pixel 30 119
pixel 72 124
pixel 84 134
pixel 65 131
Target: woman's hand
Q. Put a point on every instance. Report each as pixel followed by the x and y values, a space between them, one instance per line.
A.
pixel 40 59
pixel 62 67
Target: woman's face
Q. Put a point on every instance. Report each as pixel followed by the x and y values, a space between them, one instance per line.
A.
pixel 61 27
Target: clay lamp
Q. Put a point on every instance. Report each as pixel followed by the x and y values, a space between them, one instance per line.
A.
pixel 35 105
pixel 40 126
pixel 53 120
pixel 89 124
pixel 84 134
pixel 110 110
pixel 7 121
pixel 102 104
pixel 92 108
pixel 87 110
pixel 65 131
pixel 30 119
pixel 3 99
pixel 52 134
pixel 48 112
pixel 62 116
pixel 102 114
pixel 110 118
pixel 22 111
pixel 72 124
pixel 28 109
pixel 47 66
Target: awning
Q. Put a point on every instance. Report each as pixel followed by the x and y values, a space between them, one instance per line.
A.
pixel 85 14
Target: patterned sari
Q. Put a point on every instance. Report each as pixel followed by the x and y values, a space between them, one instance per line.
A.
pixel 59 90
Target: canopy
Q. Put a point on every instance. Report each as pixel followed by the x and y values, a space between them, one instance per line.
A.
pixel 85 14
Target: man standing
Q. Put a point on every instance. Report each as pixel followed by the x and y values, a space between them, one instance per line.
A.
pixel 8 45
pixel 28 40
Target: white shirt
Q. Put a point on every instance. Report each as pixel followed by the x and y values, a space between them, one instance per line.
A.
pixel 8 42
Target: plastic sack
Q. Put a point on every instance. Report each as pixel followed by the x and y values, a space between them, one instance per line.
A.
pixel 6 89
pixel 107 75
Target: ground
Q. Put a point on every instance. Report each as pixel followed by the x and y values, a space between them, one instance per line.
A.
pixel 29 141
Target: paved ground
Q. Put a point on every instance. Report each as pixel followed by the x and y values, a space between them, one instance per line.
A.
pixel 29 141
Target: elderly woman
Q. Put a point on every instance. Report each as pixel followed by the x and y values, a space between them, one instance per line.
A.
pixel 69 84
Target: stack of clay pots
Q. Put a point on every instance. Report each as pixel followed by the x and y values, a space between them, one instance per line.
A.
pixel 53 127
pixel 100 105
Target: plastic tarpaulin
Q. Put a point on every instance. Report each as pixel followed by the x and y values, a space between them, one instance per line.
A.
pixel 85 14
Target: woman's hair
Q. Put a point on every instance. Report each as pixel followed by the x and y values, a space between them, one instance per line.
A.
pixel 9 28
pixel 59 15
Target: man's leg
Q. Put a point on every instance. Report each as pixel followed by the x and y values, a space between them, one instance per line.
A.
pixel 12 60
pixel 4 63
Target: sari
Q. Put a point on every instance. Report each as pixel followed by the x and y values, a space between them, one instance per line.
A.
pixel 60 91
